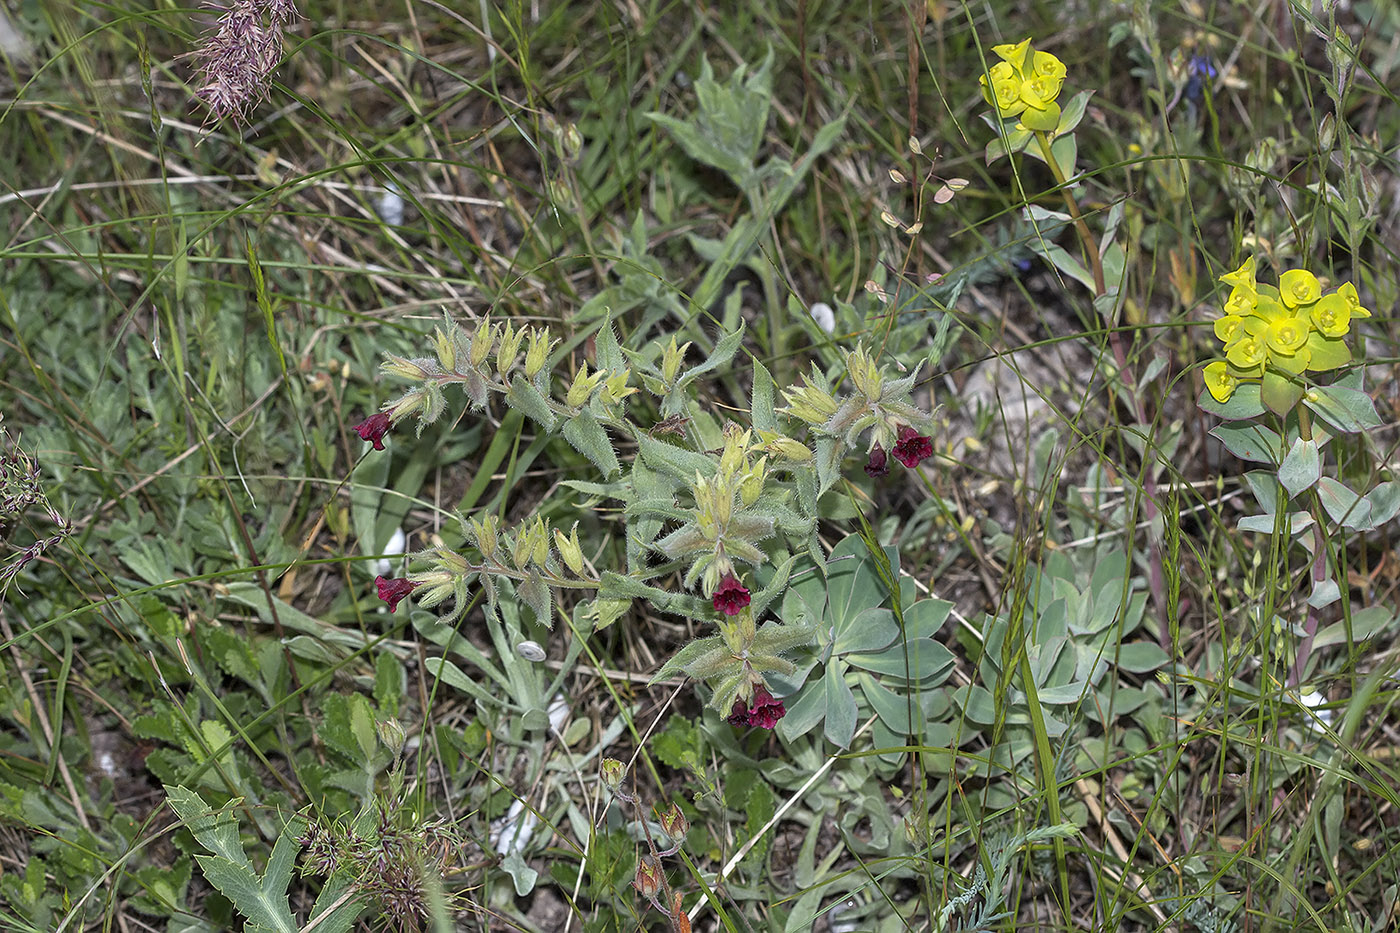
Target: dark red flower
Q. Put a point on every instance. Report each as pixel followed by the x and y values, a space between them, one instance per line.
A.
pixel 374 428
pixel 912 447
pixel 764 711
pixel 393 589
pixel 878 465
pixel 731 596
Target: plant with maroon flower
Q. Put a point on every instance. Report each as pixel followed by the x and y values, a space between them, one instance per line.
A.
pixel 730 495
pixel 392 590
pixel 374 428
pixel 760 709
pixel 912 448
pixel 880 405
pixel 878 464
pixel 731 596
pixel 733 663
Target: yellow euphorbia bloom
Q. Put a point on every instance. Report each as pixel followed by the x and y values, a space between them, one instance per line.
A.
pixel 1299 288
pixel 1241 277
pixel 1227 328
pixel 1048 66
pixel 1242 300
pixel 1016 54
pixel 1347 292
pixel 1024 80
pixel 1004 91
pixel 1332 315
pixel 1286 335
pixel 1247 352
pixel 1219 381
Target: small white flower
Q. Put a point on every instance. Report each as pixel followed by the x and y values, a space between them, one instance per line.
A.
pixel 825 317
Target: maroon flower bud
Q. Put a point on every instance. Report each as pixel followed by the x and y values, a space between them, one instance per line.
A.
pixel 374 428
pixel 739 716
pixel 912 447
pixel 730 596
pixel 763 711
pixel 391 590
pixel 878 465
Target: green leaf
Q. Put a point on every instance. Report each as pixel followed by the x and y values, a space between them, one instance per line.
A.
pixel 342 918
pixel 1073 112
pixel 730 122
pixel 1366 624
pixel 1279 392
pixel 529 401
pixel 841 711
pixel 1042 120
pixel 453 676
pixel 1359 513
pixel 1349 410
pixel 1244 404
pixel 1249 441
pixel 1142 657
pixel 1302 468
pixel 588 437
pixel 216 830
pixel 239 884
pixel 721 355
pixel 763 410
pixel 362 726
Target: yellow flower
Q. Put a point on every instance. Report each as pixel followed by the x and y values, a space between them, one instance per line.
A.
pixel 1247 352
pixel 1219 381
pixel 1049 66
pixel 1039 91
pixel 1227 328
pixel 1244 275
pixel 1015 54
pixel 1347 291
pixel 1286 334
pixel 1299 287
pixel 1242 300
pixel 1004 90
pixel 1332 315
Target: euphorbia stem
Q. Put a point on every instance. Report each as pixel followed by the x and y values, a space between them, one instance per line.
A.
pixel 1086 237
pixel 1319 567
pixel 1120 359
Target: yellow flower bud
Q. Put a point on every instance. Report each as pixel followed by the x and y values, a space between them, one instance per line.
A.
pixel 569 549
pixel 583 386
pixel 508 349
pixel 482 342
pixel 486 534
pixel 446 349
pixel 616 386
pixel 671 359
pixel 538 352
pixel 865 375
pixel 540 539
pixel 752 485
pixel 414 370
